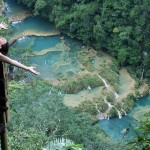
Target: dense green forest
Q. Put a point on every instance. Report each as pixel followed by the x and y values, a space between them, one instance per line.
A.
pixel 120 28
pixel 38 118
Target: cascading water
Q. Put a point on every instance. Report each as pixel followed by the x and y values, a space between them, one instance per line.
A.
pixel 89 88
pixel 124 111
pixel 109 104
pixel 101 116
pixel 106 85
pixel 116 95
pixel 119 114
pixel 107 117
pixel 114 126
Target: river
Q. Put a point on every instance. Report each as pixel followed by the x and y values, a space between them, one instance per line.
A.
pixel 56 56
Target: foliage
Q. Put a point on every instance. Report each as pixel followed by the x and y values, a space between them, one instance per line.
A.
pixel 80 83
pixel 118 105
pixel 38 114
pixel 102 106
pixel 112 112
pixel 110 72
pixel 74 147
pixel 142 141
pixel 88 106
pixel 86 56
pixel 128 102
pixel 110 98
pixel 120 28
pixel 26 138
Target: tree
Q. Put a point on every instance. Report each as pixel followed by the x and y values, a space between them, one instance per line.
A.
pixel 142 140
pixel 120 28
pixel 40 4
pixel 37 113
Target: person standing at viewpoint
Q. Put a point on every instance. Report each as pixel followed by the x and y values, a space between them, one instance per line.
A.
pixel 4 47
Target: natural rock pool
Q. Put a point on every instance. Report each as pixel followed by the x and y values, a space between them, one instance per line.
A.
pixel 56 57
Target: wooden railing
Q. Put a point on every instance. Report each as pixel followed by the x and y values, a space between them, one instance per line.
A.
pixel 3 106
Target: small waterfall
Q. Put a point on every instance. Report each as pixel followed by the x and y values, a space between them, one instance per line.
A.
pixel 119 114
pixel 122 103
pixel 100 115
pixel 97 108
pixel 124 111
pixel 106 85
pixel 109 104
pixel 50 92
pixel 89 88
pixel 107 117
pixel 116 95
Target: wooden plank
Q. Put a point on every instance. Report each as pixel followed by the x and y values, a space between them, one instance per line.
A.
pixel 3 106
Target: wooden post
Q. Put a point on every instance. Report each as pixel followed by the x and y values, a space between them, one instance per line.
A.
pixel 3 107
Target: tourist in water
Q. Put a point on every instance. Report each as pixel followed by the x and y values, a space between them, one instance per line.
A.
pixel 4 47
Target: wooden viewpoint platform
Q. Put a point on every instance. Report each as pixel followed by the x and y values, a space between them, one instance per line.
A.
pixel 3 106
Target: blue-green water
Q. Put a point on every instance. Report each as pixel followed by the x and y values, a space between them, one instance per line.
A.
pixel 62 63
pixel 115 127
pixel 13 9
pixel 33 23
pixel 37 43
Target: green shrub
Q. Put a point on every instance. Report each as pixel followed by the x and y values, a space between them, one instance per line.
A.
pixel 80 83
pixel 112 112
pixel 110 98
pixel 89 107
pixel 26 139
pixel 129 102
pixel 118 105
pixel 142 139
pixel 102 106
pixel 137 94
pixel 109 73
